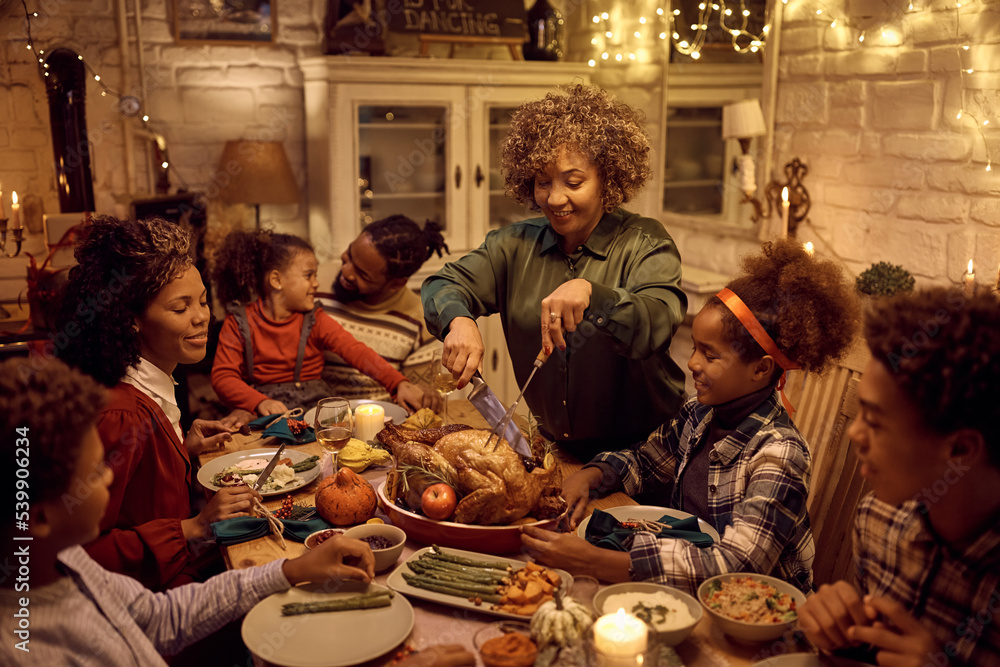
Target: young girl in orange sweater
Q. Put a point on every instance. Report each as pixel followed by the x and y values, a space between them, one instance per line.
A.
pixel 270 353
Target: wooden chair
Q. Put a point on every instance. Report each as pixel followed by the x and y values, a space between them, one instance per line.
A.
pixel 826 406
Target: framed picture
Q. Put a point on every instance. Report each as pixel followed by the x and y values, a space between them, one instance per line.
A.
pixel 225 21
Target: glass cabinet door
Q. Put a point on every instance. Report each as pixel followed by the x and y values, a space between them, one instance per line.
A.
pixel 401 162
pixel 694 177
pixel 502 209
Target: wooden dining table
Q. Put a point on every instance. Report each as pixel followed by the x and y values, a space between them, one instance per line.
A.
pixel 438 624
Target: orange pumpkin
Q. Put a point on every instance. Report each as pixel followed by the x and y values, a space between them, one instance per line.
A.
pixel 345 499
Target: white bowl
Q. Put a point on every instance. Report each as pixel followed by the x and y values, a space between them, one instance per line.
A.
pixel 752 632
pixel 666 637
pixel 311 543
pixel 384 558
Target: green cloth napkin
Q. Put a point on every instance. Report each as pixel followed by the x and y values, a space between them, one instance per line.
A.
pixel 246 528
pixel 279 429
pixel 604 530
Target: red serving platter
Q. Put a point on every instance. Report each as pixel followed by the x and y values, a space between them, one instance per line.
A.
pixel 483 539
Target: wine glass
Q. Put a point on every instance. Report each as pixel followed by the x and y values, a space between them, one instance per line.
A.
pixel 334 425
pixel 443 381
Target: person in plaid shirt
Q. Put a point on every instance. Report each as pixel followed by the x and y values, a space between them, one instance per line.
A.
pixel 927 540
pixel 732 456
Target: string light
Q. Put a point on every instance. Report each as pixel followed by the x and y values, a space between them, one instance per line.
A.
pixel 978 117
pixel 128 105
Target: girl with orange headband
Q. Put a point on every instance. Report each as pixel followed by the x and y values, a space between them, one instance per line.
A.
pixel 732 456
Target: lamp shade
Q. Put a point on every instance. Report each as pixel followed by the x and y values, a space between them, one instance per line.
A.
pixel 259 173
pixel 742 120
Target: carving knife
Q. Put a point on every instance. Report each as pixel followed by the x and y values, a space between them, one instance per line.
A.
pixel 493 411
pixel 269 468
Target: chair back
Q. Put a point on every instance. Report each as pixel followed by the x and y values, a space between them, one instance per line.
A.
pixel 828 405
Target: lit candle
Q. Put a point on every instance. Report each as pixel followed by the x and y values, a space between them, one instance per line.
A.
pixel 369 419
pixel 620 638
pixel 784 211
pixel 809 248
pixel 1 201
pixel 969 281
pixel 15 212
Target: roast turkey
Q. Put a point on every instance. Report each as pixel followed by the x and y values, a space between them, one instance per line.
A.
pixel 494 485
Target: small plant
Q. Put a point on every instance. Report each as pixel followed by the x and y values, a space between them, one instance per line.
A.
pixel 884 279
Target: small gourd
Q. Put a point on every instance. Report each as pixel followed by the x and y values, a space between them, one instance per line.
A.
pixel 345 499
pixel 560 621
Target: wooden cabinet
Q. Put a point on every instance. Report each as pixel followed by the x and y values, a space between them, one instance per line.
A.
pixel 414 136
pixel 419 137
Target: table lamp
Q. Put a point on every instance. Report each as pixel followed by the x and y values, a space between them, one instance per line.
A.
pixel 259 173
pixel 743 121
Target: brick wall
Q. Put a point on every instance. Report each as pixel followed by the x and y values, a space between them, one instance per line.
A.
pixel 894 175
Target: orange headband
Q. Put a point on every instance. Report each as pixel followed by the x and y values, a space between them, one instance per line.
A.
pixel 747 319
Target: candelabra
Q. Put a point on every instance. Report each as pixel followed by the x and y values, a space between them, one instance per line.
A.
pixel 17 239
pixel 798 202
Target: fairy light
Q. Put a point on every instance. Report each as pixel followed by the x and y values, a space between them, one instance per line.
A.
pixel 43 68
pixel 742 40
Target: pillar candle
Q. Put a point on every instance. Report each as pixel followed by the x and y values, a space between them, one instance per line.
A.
pixel 784 211
pixel 369 419
pixel 15 212
pixel 969 281
pixel 1 201
pixel 620 638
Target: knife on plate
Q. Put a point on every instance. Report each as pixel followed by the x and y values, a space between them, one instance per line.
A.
pixel 269 468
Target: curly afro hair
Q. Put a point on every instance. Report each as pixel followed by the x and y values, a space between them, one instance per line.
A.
pixel 806 305
pixel 245 259
pixel 56 405
pixel 585 119
pixel 122 266
pixel 943 350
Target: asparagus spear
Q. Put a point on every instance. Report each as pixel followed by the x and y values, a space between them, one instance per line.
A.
pixel 381 598
pixel 436 552
pixel 421 566
pixel 443 587
pixel 305 464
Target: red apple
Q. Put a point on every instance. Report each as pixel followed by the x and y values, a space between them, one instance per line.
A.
pixel 438 501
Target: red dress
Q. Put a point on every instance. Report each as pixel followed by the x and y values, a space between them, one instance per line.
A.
pixel 141 533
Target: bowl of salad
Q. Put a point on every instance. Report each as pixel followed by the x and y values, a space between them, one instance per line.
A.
pixel 749 606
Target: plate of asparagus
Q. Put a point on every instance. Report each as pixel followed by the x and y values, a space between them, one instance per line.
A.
pixel 484 583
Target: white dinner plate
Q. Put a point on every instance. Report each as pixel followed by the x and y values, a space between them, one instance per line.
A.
pixel 650 513
pixel 394 413
pixel 217 465
pixel 326 639
pixel 397 583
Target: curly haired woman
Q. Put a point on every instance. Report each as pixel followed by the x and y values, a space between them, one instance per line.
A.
pixel 597 282
pixel 732 456
pixel 137 305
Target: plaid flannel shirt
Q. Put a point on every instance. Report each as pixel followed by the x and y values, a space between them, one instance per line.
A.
pixel 955 595
pixel 758 483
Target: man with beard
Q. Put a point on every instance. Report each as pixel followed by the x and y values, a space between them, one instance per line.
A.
pixel 370 299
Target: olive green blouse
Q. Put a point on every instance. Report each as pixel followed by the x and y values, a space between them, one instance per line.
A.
pixel 615 382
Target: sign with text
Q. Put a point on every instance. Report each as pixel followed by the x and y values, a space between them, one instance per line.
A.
pixel 460 18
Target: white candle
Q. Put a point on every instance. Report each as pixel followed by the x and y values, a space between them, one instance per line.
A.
pixel 15 212
pixel 784 211
pixel 969 281
pixel 620 638
pixel 369 419
pixel 1 201
pixel 810 250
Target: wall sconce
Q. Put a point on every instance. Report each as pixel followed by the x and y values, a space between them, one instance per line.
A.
pixel 743 121
pixel 259 173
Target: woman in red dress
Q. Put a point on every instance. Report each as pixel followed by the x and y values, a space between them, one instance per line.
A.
pixel 134 308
